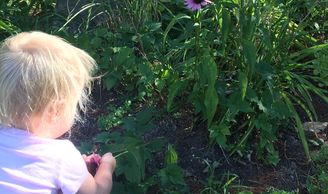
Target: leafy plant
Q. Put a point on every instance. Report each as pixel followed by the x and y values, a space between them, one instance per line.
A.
pixel 171 176
pixel 227 183
pixel 317 183
pixel 27 15
pixel 133 153
pixel 115 116
pixel 242 66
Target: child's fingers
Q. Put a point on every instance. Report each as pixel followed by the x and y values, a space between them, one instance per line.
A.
pixel 84 156
pixel 109 158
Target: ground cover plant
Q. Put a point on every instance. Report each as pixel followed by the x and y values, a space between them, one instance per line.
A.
pixel 242 75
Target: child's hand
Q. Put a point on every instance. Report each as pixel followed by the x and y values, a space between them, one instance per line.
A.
pixel 102 179
pixel 109 159
pixel 93 162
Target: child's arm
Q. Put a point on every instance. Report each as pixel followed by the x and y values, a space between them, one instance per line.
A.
pixel 101 183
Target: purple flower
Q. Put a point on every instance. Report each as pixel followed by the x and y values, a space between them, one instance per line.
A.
pixel 196 4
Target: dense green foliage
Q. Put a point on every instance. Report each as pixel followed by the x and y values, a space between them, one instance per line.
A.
pixel 318 183
pixel 242 67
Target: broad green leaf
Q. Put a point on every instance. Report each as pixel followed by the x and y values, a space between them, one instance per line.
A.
pixel 219 133
pixel 128 166
pixel 243 80
pixel 247 21
pixel 174 90
pixel 280 110
pixel 103 137
pixel 264 69
pixel 266 38
pixel 211 70
pixel 249 52
pixel 171 174
pixel 139 156
pixel 114 148
pixel 86 147
pixel 145 72
pixel 96 42
pixel 129 124
pixel 122 55
pixel 211 101
pixel 110 82
pixel 236 103
pixel 208 71
pixel 145 115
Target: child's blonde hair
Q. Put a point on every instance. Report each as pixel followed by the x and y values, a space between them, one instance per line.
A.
pixel 37 69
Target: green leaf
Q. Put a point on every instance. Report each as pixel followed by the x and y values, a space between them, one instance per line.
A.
pixel 174 90
pixel 219 133
pixel 128 166
pixel 280 110
pixel 129 124
pixel 110 81
pixel 171 156
pixel 145 115
pixel 211 102
pixel 155 145
pixel 102 137
pixel 154 26
pixel 273 156
pixel 172 23
pixel 85 147
pixel 299 126
pixel 264 69
pixel 243 80
pixel 249 52
pixel 296 56
pixel 226 26
pixel 139 156
pixel 145 72
pixel 96 42
pixel 171 174
pixel 122 54
pixel 210 71
pixel 114 148
pixel 236 104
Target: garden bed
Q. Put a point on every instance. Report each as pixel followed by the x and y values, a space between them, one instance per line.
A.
pixel 199 159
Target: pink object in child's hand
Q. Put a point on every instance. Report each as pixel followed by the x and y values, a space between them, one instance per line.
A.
pixel 95 158
pixel 93 162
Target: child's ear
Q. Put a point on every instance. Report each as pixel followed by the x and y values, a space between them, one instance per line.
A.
pixel 55 110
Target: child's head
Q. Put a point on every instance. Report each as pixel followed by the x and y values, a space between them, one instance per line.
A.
pixel 38 70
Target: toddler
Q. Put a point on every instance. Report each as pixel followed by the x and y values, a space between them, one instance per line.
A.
pixel 43 80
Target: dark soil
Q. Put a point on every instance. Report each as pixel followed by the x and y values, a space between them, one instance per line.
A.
pixel 195 154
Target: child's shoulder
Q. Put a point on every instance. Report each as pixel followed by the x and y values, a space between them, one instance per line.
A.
pixel 13 138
